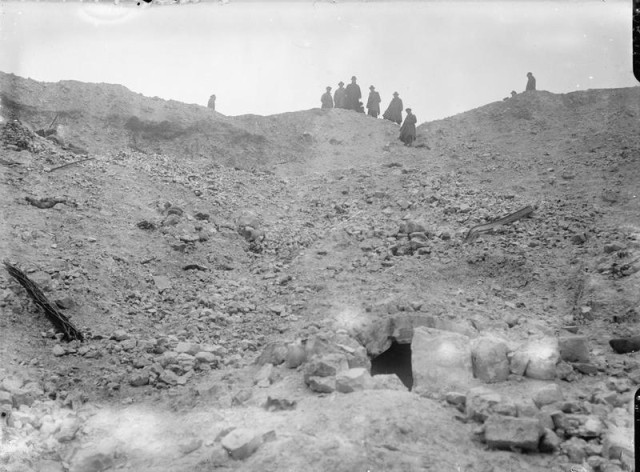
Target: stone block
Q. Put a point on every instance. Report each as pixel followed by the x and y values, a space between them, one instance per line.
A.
pixel 506 432
pixel 489 359
pixel 441 361
pixel 543 356
pixel 574 348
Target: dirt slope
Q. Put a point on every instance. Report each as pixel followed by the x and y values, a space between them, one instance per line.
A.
pixel 148 250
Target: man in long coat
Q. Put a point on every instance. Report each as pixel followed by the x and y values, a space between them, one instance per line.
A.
pixel 353 95
pixel 408 128
pixel 373 103
pixel 340 96
pixel 531 82
pixel 327 101
pixel 394 110
pixel 212 102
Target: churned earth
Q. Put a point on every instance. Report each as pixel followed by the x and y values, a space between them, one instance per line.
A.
pixel 238 279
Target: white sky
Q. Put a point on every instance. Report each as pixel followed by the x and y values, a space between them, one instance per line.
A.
pixel 265 58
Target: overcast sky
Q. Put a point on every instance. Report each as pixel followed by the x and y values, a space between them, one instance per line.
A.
pixel 265 58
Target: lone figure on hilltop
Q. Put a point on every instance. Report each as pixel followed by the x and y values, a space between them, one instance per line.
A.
pixel 373 103
pixel 353 95
pixel 408 128
pixel 531 82
pixel 212 102
pixel 340 96
pixel 327 101
pixel 394 110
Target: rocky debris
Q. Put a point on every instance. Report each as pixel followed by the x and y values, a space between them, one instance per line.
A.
pixel 274 353
pixel 353 380
pixel 618 445
pixel 241 443
pixel 265 376
pixel 457 399
pixel 504 432
pixel 325 366
pixel 482 402
pixel 120 335
pixel 489 358
pixel 279 404
pixel 162 282
pixel 440 361
pixel 296 355
pixel 387 382
pixel 582 426
pixel 16 135
pixel 187 348
pixel 322 384
pixel 547 395
pixel 187 446
pixel 139 379
pixel 549 442
pixel 58 350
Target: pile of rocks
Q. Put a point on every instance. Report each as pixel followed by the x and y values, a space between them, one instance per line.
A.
pixel 16 136
pixel 31 424
pixel 587 431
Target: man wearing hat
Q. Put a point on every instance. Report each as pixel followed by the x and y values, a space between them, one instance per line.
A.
pixel 373 103
pixel 408 128
pixel 353 95
pixel 394 110
pixel 327 101
pixel 340 96
pixel 531 82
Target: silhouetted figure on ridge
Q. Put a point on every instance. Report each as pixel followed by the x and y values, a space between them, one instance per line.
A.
pixel 408 128
pixel 212 102
pixel 373 103
pixel 531 82
pixel 327 101
pixel 353 95
pixel 394 110
pixel 340 96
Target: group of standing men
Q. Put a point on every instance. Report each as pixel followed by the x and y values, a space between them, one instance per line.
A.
pixel 350 97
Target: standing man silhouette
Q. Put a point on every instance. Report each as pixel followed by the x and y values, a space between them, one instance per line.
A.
pixel 353 95
pixel 373 104
pixel 531 82
pixel 340 96
pixel 327 101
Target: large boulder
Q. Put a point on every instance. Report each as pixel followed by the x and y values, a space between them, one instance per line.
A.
pixel 441 361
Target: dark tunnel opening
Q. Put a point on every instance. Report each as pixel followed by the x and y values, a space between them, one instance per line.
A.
pixel 395 360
